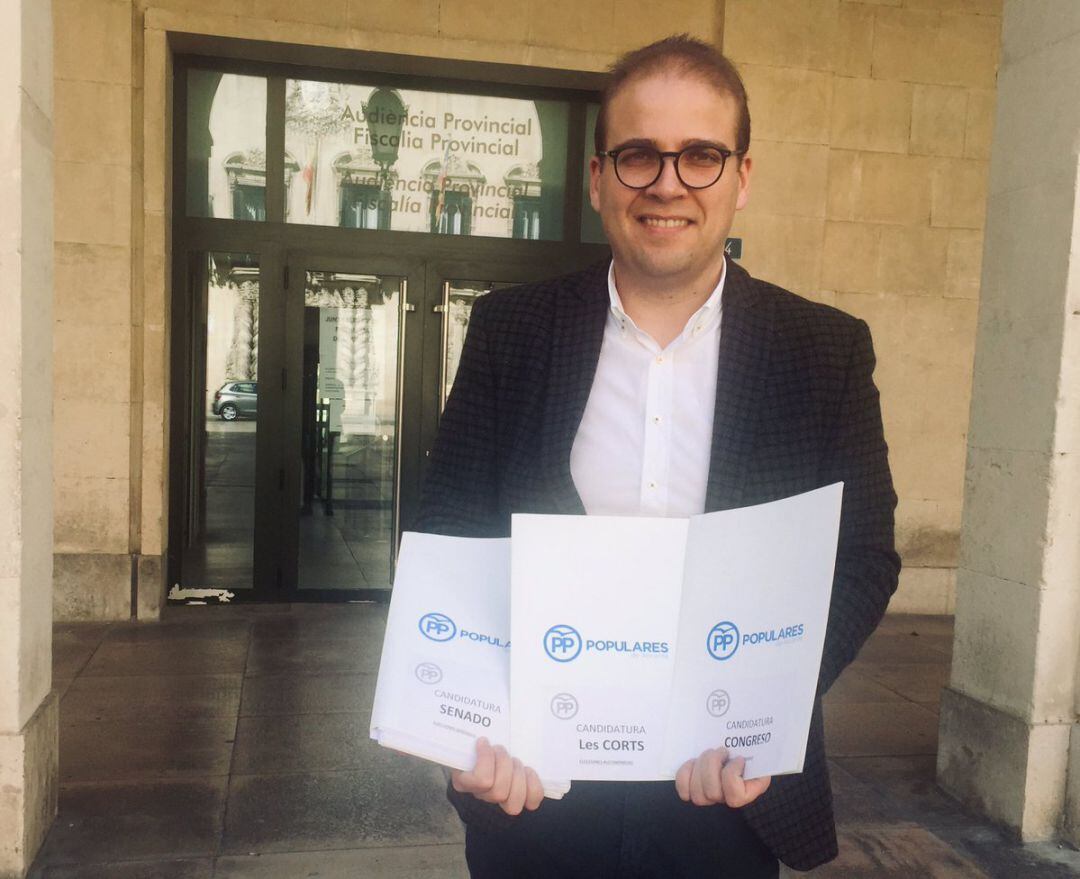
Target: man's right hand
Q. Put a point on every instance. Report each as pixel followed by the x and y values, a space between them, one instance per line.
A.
pixel 499 778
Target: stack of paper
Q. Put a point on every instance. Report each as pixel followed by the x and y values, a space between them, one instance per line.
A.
pixel 638 643
pixel 643 642
pixel 444 676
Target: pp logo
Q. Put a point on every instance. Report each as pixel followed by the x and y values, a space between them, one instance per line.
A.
pixel 428 673
pixel 718 703
pixel 723 640
pixel 562 643
pixel 564 706
pixel 437 627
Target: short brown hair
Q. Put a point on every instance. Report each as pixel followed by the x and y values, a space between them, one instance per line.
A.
pixel 680 53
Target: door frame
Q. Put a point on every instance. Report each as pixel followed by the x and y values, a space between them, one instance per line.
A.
pixel 426 259
pixel 409 405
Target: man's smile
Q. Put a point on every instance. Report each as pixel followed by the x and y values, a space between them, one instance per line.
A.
pixel 664 222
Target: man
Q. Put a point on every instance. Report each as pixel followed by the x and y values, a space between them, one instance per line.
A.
pixel 666 383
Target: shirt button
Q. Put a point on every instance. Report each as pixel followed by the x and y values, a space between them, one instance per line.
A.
pixel 652 485
pixel 660 359
pixel 656 419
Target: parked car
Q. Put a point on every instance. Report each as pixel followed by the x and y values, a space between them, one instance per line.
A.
pixel 234 399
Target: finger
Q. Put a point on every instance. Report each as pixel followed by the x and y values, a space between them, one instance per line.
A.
pixel 682 780
pixel 456 781
pixel 480 778
pixel 738 790
pixel 734 786
pixel 515 799
pixel 697 789
pixel 504 773
pixel 534 790
pixel 711 766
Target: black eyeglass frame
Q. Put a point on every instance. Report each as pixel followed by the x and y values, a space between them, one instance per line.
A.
pixel 674 155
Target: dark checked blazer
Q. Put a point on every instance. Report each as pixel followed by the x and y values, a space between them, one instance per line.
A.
pixel 796 409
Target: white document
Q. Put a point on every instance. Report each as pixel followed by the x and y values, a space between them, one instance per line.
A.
pixel 640 643
pixel 444 676
pixel 595 617
pixel 757 584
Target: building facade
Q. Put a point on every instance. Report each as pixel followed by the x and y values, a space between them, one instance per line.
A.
pixel 872 125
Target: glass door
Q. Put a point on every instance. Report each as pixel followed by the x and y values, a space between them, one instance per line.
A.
pixel 347 425
pixel 456 307
pixel 226 447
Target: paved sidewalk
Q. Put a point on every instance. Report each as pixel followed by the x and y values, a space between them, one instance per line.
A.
pixel 233 742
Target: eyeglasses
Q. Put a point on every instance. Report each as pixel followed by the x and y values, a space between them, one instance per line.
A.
pixel 697 167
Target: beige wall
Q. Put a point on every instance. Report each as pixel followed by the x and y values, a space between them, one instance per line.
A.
pixel 872 126
pixel 28 710
pixel 1010 743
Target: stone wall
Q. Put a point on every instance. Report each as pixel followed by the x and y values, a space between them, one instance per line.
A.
pixel 28 710
pixel 872 124
pixel 1010 742
pixel 93 337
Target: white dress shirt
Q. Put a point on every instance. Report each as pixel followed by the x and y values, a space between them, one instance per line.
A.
pixel 644 442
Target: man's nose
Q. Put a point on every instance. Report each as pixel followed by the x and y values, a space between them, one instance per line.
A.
pixel 668 184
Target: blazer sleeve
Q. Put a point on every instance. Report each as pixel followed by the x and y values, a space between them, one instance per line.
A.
pixel 867 566
pixel 461 493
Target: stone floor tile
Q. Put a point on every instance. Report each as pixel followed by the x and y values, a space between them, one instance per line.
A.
pixel 238 610
pixel 156 747
pixel 291 656
pixel 416 862
pixel 393 801
pixel 138 697
pixel 105 823
pixel 308 694
pixel 169 657
pixel 191 629
pixel 201 869
pixel 73 644
pixel 854 686
pixel 921 624
pixel 60 686
pixel 363 622
pixel 879 728
pixel 898 647
pixel 916 681
pixel 910 783
pixel 857 802
pixel 303 742
pixel 895 851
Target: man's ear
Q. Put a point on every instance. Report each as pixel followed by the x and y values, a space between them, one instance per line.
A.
pixel 594 182
pixel 745 167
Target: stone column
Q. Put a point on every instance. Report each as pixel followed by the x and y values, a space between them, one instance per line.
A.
pixel 28 714
pixel 1009 713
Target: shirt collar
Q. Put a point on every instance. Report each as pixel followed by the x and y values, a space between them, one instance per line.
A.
pixel 709 310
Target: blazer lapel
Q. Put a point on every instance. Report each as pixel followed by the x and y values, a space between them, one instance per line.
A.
pixel 745 341
pixel 580 315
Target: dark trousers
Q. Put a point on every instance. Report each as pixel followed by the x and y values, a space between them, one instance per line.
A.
pixel 621 831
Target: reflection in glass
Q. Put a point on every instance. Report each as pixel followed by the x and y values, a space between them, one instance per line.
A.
pixel 226 146
pixel 349 429
pixel 457 305
pixel 420 161
pixel 221 490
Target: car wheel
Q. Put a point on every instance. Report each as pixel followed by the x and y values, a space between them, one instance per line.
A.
pixel 228 412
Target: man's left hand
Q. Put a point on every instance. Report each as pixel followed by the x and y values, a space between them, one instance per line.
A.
pixel 712 779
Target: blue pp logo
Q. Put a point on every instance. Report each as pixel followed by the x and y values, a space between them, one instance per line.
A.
pixel 723 640
pixel 437 627
pixel 562 643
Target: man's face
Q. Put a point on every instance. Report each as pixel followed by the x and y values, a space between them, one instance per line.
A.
pixel 668 235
